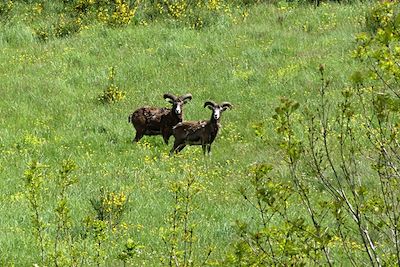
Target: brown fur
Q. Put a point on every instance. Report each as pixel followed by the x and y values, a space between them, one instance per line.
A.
pixel 198 132
pixel 157 121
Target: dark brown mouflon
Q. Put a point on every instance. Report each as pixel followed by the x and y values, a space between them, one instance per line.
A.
pixel 159 121
pixel 199 132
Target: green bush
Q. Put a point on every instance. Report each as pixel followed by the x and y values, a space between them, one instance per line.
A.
pixel 341 155
pixel 383 16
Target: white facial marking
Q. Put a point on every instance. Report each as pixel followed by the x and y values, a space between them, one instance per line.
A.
pixel 178 109
pixel 217 113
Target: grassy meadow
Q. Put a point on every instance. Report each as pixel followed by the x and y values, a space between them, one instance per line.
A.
pixel 50 113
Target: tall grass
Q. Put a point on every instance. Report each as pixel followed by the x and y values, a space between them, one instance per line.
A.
pixel 50 112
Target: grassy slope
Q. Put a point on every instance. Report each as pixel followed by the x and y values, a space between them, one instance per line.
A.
pixel 49 110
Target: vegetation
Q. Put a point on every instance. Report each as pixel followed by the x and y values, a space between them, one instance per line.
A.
pixel 303 172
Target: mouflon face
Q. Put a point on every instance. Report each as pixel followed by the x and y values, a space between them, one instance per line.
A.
pixel 217 109
pixel 177 102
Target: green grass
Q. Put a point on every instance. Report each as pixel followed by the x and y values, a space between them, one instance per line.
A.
pixel 49 112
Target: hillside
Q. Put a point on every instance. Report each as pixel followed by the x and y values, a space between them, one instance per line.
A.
pixel 110 194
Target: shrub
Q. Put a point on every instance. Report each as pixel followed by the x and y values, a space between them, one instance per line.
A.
pixel 6 6
pixel 180 234
pixel 343 146
pixel 112 93
pixel 117 13
pixel 54 239
pixel 383 16
pixel 110 207
pixel 62 240
pixel 195 14
pixel 67 25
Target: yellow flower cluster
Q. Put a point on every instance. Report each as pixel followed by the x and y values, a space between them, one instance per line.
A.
pixel 38 8
pixel 115 13
pixel 287 71
pixel 102 15
pixel 114 202
pixel 33 140
pixel 214 4
pixel 122 14
pixel 231 133
pixel 6 7
pixel 329 22
pixel 177 9
pixel 112 93
pixel 24 59
pixel 183 9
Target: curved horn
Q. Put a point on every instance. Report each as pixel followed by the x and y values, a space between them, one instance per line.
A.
pixel 210 103
pixel 170 96
pixel 226 105
pixel 186 97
